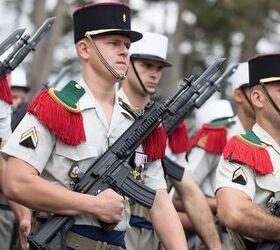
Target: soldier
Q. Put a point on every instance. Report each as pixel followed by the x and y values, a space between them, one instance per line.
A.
pixel 206 148
pixel 19 87
pixel 247 181
pixel 148 58
pixel 7 217
pixel 65 131
pixel 245 115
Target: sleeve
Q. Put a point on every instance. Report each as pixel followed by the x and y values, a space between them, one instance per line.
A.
pixel 202 163
pixel 153 175
pixel 38 143
pixel 235 175
pixel 5 120
pixel 178 158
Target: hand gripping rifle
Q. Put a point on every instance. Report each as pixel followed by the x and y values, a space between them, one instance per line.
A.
pixel 10 40
pixel 170 123
pixel 23 47
pixel 110 171
pixel 21 111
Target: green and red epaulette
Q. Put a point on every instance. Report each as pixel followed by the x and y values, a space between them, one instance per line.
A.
pixel 178 140
pixel 59 112
pixel 154 145
pixel 248 149
pixel 211 138
pixel 5 91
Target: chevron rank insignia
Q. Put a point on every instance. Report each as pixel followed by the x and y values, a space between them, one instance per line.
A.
pixel 239 177
pixel 29 138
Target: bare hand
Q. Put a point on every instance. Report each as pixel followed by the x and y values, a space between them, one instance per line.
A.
pixel 110 206
pixel 24 231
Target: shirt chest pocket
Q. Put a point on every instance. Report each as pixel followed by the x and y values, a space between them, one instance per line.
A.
pixel 83 153
pixel 269 182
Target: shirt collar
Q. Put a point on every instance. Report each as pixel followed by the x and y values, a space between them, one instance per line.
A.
pixel 265 137
pixel 88 101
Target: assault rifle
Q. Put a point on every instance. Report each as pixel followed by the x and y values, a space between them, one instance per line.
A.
pixel 10 40
pixel 21 111
pixel 270 245
pixel 170 123
pixel 23 47
pixel 110 170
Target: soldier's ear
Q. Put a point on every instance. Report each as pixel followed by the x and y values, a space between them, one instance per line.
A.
pixel 82 47
pixel 237 95
pixel 257 97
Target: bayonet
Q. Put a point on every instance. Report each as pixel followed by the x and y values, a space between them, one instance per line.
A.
pixel 10 40
pixel 41 32
pixel 31 43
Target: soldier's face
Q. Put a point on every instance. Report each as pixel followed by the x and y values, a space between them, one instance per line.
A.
pixel 263 103
pixel 150 74
pixel 115 50
pixel 19 95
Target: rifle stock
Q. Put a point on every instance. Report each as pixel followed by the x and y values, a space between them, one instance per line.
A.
pixel 109 171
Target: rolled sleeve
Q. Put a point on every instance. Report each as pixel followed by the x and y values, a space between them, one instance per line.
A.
pixel 202 163
pixel 224 177
pixel 153 175
pixel 38 156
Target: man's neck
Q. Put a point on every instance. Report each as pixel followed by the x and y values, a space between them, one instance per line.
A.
pixel 270 128
pixel 136 100
pixel 102 89
pixel 246 121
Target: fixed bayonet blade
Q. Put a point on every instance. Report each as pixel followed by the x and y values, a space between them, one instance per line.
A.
pixel 41 32
pixel 226 75
pixel 10 40
pixel 209 72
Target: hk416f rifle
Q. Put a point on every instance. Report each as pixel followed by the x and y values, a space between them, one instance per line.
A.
pixel 110 170
pixel 170 123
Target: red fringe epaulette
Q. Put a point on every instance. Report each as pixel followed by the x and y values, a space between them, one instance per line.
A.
pixel 179 139
pixel 211 139
pixel 5 91
pixel 255 156
pixel 154 145
pixel 66 125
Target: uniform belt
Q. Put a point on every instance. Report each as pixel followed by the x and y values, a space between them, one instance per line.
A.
pixel 115 238
pixel 79 242
pixel 140 222
pixel 4 207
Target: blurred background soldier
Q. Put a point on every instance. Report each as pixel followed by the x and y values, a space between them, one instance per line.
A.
pixel 19 87
pixel 148 58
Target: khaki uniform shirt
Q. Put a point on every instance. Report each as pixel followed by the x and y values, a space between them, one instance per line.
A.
pixel 53 159
pixel 203 164
pixel 258 187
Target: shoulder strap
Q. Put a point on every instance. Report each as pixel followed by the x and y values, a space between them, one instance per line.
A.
pixel 5 91
pixel 248 149
pixel 211 138
pixel 60 113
